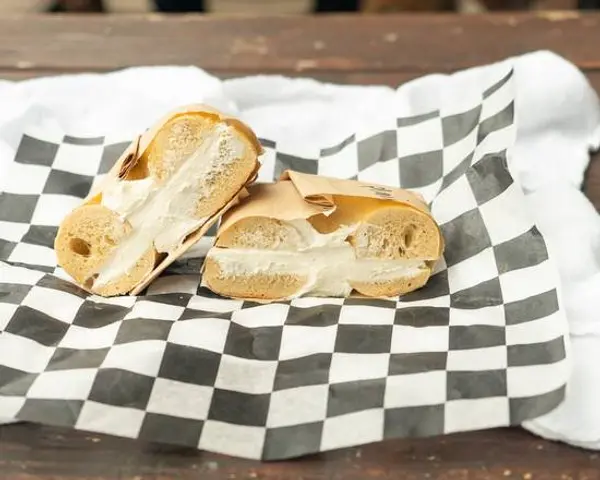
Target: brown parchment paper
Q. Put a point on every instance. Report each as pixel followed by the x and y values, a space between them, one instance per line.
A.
pixel 322 190
pixel 300 196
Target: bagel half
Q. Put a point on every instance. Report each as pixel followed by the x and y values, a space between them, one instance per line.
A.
pixel 161 196
pixel 276 246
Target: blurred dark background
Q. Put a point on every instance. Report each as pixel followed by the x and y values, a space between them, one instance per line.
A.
pixel 290 6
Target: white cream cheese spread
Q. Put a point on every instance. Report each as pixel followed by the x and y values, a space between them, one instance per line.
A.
pixel 328 261
pixel 164 215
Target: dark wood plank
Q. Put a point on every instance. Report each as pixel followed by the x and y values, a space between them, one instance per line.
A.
pixel 45 453
pixel 379 43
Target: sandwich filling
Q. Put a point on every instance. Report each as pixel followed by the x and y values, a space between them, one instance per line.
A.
pixel 163 215
pixel 328 262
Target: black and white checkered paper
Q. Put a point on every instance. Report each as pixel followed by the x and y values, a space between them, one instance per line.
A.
pixel 481 346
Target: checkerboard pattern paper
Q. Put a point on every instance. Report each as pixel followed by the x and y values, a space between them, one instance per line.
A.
pixel 481 346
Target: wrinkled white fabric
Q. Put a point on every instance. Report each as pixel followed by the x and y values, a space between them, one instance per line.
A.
pixel 558 118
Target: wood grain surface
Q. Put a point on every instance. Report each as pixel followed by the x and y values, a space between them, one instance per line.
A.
pixel 45 453
pixel 345 44
pixel 386 50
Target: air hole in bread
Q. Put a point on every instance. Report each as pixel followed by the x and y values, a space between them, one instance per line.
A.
pixel 408 236
pixel 80 247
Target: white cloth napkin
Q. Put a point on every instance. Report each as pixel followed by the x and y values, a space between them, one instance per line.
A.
pixel 558 117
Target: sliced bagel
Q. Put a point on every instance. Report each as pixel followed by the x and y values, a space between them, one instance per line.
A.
pixel 164 192
pixel 377 248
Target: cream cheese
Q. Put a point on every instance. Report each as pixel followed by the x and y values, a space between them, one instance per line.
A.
pixel 163 215
pixel 328 262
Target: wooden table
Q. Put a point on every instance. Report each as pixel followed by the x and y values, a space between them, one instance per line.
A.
pixel 367 50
